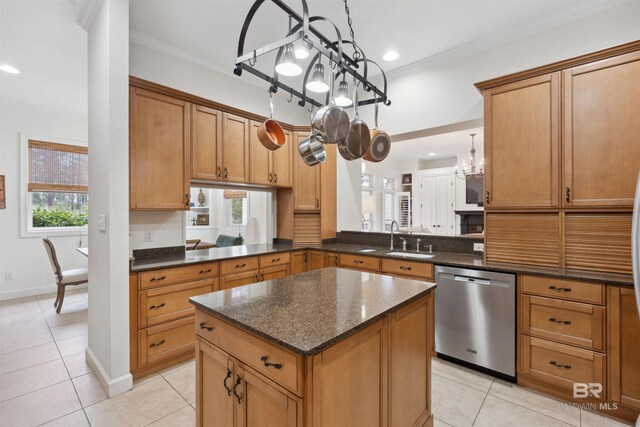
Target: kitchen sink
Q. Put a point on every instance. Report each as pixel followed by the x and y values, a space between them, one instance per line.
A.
pixel 367 250
pixel 411 255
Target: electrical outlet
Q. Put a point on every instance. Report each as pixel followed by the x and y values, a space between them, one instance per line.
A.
pixel 8 276
pixel 102 223
pixel 148 236
pixel 479 247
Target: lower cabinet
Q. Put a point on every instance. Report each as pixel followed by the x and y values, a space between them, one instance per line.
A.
pixel 316 260
pixel 165 341
pixel 238 279
pixel 331 259
pixel 299 262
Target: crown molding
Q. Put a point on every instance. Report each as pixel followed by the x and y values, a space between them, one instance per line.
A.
pixel 86 11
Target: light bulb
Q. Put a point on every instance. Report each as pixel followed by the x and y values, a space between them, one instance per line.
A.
pixel 301 52
pixel 317 83
pixel 288 65
pixel 343 99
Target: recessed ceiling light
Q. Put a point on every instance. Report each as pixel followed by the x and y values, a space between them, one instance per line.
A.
pixel 432 154
pixel 9 69
pixel 392 55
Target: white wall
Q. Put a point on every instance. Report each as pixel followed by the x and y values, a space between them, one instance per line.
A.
pixel 26 257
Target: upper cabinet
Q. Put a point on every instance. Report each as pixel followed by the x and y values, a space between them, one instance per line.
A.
pixel 233 152
pixel 159 151
pixel 206 131
pixel 269 167
pixel 306 186
pixel 602 132
pixel 522 133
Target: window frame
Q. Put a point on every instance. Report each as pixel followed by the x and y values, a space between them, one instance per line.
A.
pixel 26 206
pixel 245 212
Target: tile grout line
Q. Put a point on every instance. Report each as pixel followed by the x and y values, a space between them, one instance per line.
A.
pixel 536 411
pixel 482 404
pixel 162 418
pixel 174 389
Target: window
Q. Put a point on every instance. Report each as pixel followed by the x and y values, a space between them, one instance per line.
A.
pixel 388 183
pixel 368 209
pixel 237 209
pixel 389 209
pixel 367 180
pixel 57 179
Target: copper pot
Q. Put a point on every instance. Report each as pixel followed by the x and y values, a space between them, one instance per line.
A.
pixel 380 142
pixel 270 133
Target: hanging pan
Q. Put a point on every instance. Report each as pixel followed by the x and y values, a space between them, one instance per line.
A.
pixel 311 150
pixel 270 133
pixel 358 138
pixel 380 141
pixel 331 122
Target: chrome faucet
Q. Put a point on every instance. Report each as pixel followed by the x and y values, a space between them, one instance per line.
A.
pixel 397 228
pixel 404 243
pixel 418 245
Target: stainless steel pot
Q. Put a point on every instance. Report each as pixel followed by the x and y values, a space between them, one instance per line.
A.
pixel 331 122
pixel 312 151
pixel 380 142
pixel 359 137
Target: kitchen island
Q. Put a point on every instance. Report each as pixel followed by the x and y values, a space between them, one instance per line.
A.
pixel 331 347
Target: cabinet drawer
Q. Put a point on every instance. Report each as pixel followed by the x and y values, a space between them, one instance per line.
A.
pixel 275 259
pixel 169 276
pixel 165 341
pixel 407 268
pixel 360 262
pixel 168 303
pixel 564 289
pixel 568 322
pixel 561 364
pixel 252 351
pixel 238 265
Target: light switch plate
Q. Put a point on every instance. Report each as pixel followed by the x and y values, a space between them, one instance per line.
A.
pixel 102 222
pixel 478 247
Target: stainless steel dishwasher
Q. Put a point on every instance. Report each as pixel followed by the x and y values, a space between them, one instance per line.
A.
pixel 476 318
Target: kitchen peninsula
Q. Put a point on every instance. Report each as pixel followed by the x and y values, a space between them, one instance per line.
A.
pixel 323 348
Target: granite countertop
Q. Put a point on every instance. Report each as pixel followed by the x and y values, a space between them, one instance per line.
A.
pixel 308 312
pixel 441 258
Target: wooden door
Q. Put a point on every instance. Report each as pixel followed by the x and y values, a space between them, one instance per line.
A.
pixel 206 133
pixel 260 402
pixel 159 151
pixel 522 133
pixel 316 260
pixel 410 369
pixel 240 279
pixel 306 183
pixel 602 132
pixel 299 262
pixel 444 205
pixel 282 166
pixel 331 259
pixel 214 378
pixel 274 272
pixel 429 203
pixel 260 159
pixel 624 347
pixel 234 150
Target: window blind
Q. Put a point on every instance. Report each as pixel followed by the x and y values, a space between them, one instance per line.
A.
pixel 58 167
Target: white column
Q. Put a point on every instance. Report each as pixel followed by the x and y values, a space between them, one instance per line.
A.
pixel 108 45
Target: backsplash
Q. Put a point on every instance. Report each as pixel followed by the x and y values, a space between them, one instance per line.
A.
pixel 456 244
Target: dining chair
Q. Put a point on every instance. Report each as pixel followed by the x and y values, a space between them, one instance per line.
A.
pixel 76 276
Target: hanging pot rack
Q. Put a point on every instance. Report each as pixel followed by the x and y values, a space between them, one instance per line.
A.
pixel 302 31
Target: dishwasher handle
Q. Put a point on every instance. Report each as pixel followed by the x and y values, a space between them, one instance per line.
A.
pixel 473 280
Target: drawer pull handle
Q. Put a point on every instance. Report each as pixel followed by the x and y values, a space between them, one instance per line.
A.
pixel 205 271
pixel 156 344
pixel 402 267
pixel 204 326
pixel 267 363
pixel 238 382
pixel 559 365
pixel 357 261
pixel 154 279
pixel 555 288
pixel 275 260
pixel 154 307
pixel 224 383
pixel 564 322
pixel 241 265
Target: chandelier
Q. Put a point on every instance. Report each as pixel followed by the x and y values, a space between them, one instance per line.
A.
pixel 472 172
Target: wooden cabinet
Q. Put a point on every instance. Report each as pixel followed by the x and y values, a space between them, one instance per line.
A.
pixel 316 260
pixel 274 272
pixel 624 348
pixel 601 132
pixel 416 270
pixel 299 262
pixel 159 151
pixel 331 259
pixel 234 149
pixel 238 279
pixel 165 341
pixel 269 167
pixel 306 185
pixel 206 134
pixel 358 262
pixel 214 383
pixel 522 134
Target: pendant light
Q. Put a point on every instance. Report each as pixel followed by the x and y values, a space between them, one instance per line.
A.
pixel 343 99
pixel 317 83
pixel 288 66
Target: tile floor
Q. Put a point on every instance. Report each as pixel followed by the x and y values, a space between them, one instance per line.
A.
pixel 44 380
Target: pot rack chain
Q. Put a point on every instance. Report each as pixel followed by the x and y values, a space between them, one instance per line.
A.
pixel 326 47
pixel 356 48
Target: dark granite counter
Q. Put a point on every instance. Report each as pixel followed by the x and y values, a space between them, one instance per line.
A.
pixel 308 312
pixel 451 259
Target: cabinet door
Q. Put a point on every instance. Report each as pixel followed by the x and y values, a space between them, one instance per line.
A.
pixel 624 348
pixel 299 262
pixel 206 133
pixel 602 132
pixel 316 260
pixel 282 166
pixel 240 279
pixel 261 403
pixel 159 150
pixel 306 183
pixel 260 159
pixel 429 203
pixel 234 149
pixel 446 214
pixel 331 259
pixel 522 129
pixel 214 380
pixel 274 272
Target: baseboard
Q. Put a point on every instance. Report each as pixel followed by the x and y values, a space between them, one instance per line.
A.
pixel 112 387
pixel 30 292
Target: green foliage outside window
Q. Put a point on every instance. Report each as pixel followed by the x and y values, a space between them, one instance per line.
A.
pixel 51 209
